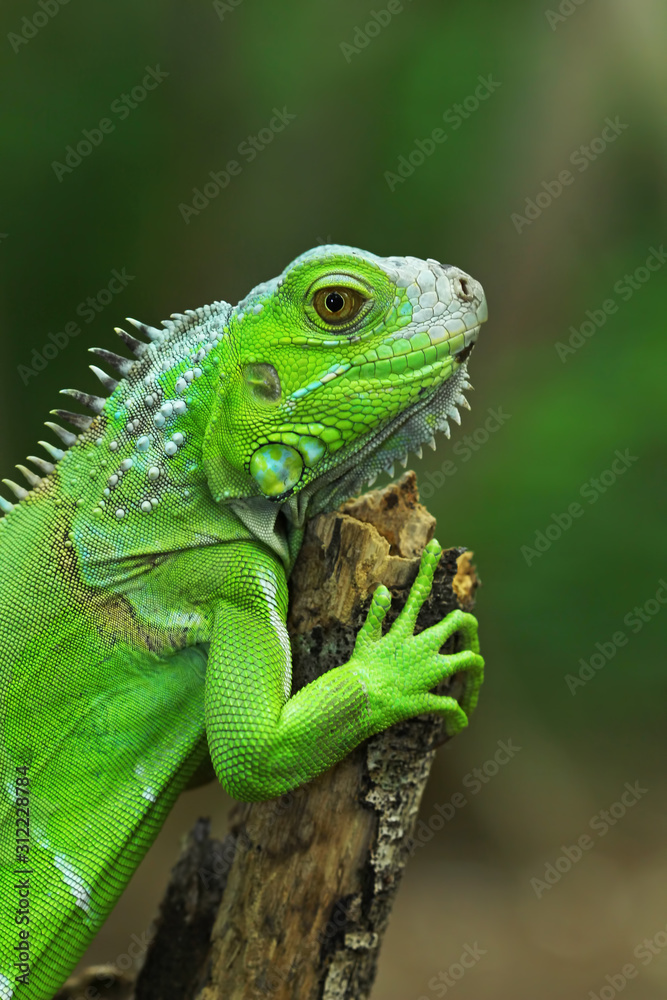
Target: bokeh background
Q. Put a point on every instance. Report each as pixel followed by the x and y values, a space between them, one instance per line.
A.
pixel 554 76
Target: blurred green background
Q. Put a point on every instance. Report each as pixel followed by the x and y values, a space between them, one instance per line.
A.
pixel 361 99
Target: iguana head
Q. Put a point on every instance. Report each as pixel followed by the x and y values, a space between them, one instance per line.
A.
pixel 292 400
pixel 335 369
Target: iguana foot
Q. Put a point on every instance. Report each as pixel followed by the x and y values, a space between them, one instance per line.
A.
pixel 403 668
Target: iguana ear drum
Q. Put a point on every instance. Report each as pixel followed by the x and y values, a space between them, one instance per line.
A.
pixel 276 468
pixel 263 381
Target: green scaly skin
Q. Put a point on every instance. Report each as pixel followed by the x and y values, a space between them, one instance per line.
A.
pixel 143 593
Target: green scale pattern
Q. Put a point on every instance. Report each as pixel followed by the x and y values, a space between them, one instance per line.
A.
pixel 144 577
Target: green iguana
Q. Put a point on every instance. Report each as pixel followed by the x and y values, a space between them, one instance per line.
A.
pixel 143 593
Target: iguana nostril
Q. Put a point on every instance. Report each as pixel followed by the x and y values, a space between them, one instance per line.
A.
pixel 463 289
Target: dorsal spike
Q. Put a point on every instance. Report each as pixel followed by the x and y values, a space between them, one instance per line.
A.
pixel 79 420
pixel 55 453
pixel 390 470
pixel 418 451
pixel 17 490
pixel 109 383
pixel 66 437
pixel 5 506
pixel 148 331
pixel 137 347
pixel 431 443
pixel 94 403
pixel 29 475
pixel 117 361
pixel 45 467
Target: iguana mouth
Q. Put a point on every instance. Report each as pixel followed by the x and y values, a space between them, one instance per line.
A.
pixel 465 353
pixel 429 414
pixel 405 433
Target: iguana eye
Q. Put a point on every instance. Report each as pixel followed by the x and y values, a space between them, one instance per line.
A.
pixel 337 305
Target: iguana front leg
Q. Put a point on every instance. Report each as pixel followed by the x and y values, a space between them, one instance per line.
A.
pixel 264 742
